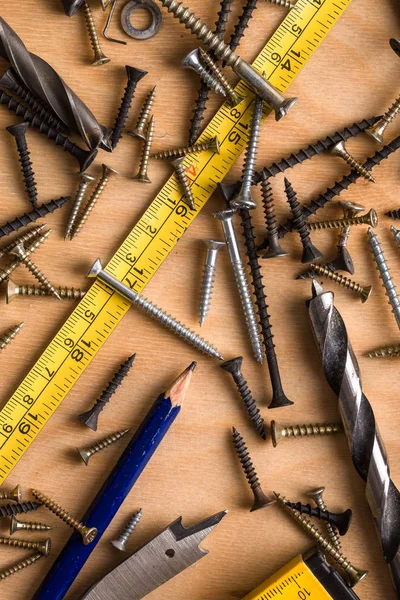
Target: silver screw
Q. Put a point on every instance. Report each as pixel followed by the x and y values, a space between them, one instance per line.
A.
pixel 177 163
pixel 226 218
pixel 377 130
pixel 340 150
pixel 234 98
pixel 86 453
pixel 316 495
pixel 244 199
pixel 396 235
pixel 27 526
pixel 85 180
pixel 157 313
pixel 144 116
pixel 208 277
pixel 120 543
pixel 384 273
pixel 20 252
pixel 192 61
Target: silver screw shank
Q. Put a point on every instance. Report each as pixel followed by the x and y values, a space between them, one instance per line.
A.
pixel 384 273
pixel 208 278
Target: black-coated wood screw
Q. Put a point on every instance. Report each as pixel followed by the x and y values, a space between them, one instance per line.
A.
pixel 393 214
pixel 15 509
pixel 274 248
pixel 19 133
pixel 37 213
pixel 134 76
pixel 242 24
pixel 341 521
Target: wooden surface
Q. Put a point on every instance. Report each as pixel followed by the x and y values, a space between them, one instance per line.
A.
pixel 195 473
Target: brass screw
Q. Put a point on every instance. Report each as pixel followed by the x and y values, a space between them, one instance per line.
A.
pixel 99 57
pixel 144 116
pixel 25 237
pixel 142 175
pixel 20 252
pixel 86 453
pixel 101 184
pixel 43 547
pixel 7 337
pixel 355 575
pixel 279 432
pixel 6 272
pixel 66 293
pixel 370 218
pixel 363 291
pixel 284 3
pixel 388 352
pixel 233 97
pixel 177 163
pixel 88 533
pixel 27 526
pixel 317 496
pixel 339 149
pixel 21 565
pixel 85 180
pixel 212 144
pixel 377 130
pixel 14 494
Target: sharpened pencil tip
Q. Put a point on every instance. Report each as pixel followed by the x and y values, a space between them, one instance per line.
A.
pixel 178 389
pixel 192 366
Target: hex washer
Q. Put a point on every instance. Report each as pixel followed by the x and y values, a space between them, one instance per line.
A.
pixel 141 34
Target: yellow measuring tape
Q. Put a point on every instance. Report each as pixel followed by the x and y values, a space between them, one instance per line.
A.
pixel 155 235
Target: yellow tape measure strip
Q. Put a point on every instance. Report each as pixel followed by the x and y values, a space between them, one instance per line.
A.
pixel 294 581
pixel 155 235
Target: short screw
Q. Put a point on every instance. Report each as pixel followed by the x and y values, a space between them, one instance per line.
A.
pixel 370 218
pixel 142 174
pixel 378 129
pixel 19 133
pixel 134 76
pixel 207 283
pixel 28 218
pixel 43 547
pixel 212 144
pixel 260 499
pixel 120 543
pixel 396 235
pixel 384 273
pixel 355 575
pixel 20 252
pixel 363 291
pixel 280 432
pixel 339 149
pixel 244 199
pixel 14 494
pixel 139 130
pixel 233 97
pixel 27 526
pixel 7 337
pixel 226 218
pixel 88 533
pixel 274 247
pixel 317 496
pixel 192 61
pixel 108 172
pixel 84 182
pixel 21 565
pixel 393 214
pixel 15 509
pixel 234 367
pixel 310 252
pixel 341 521
pixel 24 237
pixel 87 453
pixel 90 418
pixel 388 352
pixel 283 3
pixel 8 269
pixel 33 291
pixel 188 198
pixel 99 57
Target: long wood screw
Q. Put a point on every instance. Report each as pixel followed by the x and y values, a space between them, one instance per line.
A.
pixel 7 337
pixel 99 57
pixel 134 76
pixel 370 218
pixel 340 150
pixel 378 129
pixel 37 241
pixel 14 290
pixel 384 273
pixel 317 496
pixel 280 432
pixel 363 291
pixel 274 247
pixel 17 525
pixel 84 181
pixel 19 133
pixel 212 144
pixel 139 130
pixel 87 453
pixel 142 174
pixel 23 564
pixel 16 509
pixel 388 352
pixel 20 252
pixel 310 252
pixel 177 163
pixel 43 547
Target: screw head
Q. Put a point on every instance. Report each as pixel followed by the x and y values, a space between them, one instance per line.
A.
pixel 276 433
pixel 279 400
pixel 233 366
pixel 343 261
pixel 45 547
pixel 15 494
pixel 192 60
pixel 100 59
pixel 316 494
pixel 310 254
pixel 225 215
pixel 15 525
pixel 85 158
pixel 118 545
pixel 274 249
pixel 213 244
pixel 108 171
pixel 339 149
pixel 85 455
pixel 18 130
pixel 365 294
pixel 85 178
pixel 134 75
pixel 373 217
pixel 243 200
pixel 138 132
pixel 228 191
pixel 88 534
pixel 18 250
pixel 142 178
pixel 284 108
pixel 351 208
pixel 260 499
pixel 395 45
pixel 95 269
pixel 214 145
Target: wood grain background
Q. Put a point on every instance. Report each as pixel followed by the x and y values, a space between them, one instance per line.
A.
pixel 195 473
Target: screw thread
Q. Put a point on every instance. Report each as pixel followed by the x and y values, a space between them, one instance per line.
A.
pixel 268 206
pixel 251 148
pixel 307 509
pixel 393 214
pixel 299 222
pixel 66 293
pixel 339 279
pixel 223 16
pixel 19 507
pixel 250 404
pixel 24 544
pixel 91 27
pixel 37 273
pixel 104 443
pixel 12 265
pixel 283 3
pixel 389 351
pixel 30 526
pixel 91 203
pixel 21 239
pixel 27 218
pixel 123 111
pixel 384 273
pixel 7 337
pixel 211 80
pixel 345 222
pixel 391 114
pixel 357 166
pixel 206 292
pixel 184 182
pixel 182 151
pixel 21 565
pixel 145 112
pixel 7 494
pixel 79 198
pixel 396 235
pixel 220 77
pixel 130 528
pixel 332 533
pixel 242 24
pixel 26 168
pixel 310 430
pixel 145 155
pixel 245 459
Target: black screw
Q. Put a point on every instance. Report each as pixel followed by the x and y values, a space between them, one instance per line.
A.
pixel 310 252
pixel 341 521
pixel 395 45
pixel 90 418
pixel 242 24
pixel 84 157
pixel 342 262
pixel 20 507
pixel 234 368
pixel 134 76
pixel 37 213
pixel 260 499
pixel 274 248
pixel 393 214
pixel 19 133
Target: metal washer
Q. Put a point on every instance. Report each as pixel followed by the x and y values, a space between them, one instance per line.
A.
pixel 141 34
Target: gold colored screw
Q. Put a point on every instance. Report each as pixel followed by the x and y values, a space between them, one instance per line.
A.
pixel 85 180
pixel 88 533
pixel 340 150
pixel 25 237
pixel 27 526
pixel 7 337
pixel 142 175
pixel 388 352
pixel 377 130
pixel 279 432
pixel 20 252
pixel 21 565
pixel 317 496
pixel 233 97
pixel 139 130
pixel 212 144
pixel 66 293
pixel 355 575
pixel 284 3
pixel 86 453
pixel 370 218
pixel 177 163
pixel 43 547
pixel 364 292
pixel 14 494
pixel 99 57
pixel 84 214
pixel 12 265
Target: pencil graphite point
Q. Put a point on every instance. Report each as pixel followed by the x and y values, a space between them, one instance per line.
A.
pixel 178 389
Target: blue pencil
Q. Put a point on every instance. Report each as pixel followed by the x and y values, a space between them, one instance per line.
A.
pixel 116 487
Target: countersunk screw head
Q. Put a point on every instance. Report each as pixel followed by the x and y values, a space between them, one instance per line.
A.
pixel 225 215
pixel 233 366
pixel 343 261
pixel 88 534
pixel 18 130
pixel 276 434
pixel 243 200
pixel 351 207
pixel 365 293
pixel 316 494
pixel 45 547
pixel 260 499
pixel 213 244
pixel 310 254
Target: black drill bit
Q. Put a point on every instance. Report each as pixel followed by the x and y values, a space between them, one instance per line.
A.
pixel 242 24
pixel 28 218
pixel 19 507
pixel 90 418
pixel 19 133
pixel 393 214
pixel 134 76
pixel 341 521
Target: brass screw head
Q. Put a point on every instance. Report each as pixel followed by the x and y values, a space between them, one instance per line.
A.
pixel 11 291
pixel 45 547
pixel 316 495
pixel 351 207
pixel 88 534
pixel 14 494
pixel 276 433
pixel 365 293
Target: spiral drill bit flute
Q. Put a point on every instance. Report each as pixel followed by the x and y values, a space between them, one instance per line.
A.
pixel 367 450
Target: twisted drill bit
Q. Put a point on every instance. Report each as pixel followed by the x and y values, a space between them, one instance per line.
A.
pixel 367 449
